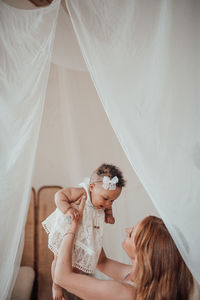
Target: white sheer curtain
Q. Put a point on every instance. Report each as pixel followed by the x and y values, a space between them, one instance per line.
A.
pixel 143 57
pixel 26 39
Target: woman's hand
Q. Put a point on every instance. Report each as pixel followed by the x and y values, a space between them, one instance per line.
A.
pixel 79 213
pixel 72 214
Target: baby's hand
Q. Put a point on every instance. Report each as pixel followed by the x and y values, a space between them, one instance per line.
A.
pixel 109 219
pixel 72 214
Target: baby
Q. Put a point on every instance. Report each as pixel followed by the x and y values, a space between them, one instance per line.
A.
pixel 100 190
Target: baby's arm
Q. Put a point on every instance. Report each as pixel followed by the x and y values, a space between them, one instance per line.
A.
pixel 65 197
pixel 109 216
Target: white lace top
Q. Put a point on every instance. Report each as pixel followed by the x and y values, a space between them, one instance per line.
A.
pixel 89 237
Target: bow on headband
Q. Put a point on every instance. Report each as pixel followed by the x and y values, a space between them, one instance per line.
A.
pixel 110 184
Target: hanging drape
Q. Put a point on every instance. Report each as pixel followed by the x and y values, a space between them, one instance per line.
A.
pixel 143 57
pixel 26 39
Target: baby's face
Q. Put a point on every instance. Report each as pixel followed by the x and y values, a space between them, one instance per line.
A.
pixel 102 198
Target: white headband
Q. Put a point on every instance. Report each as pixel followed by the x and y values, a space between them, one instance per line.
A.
pixel 110 184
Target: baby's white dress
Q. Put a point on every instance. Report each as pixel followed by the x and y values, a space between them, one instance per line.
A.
pixel 89 237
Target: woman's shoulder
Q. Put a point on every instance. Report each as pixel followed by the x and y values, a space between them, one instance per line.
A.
pixel 113 289
pixel 127 290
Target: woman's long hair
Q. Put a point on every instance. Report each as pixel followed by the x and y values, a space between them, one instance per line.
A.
pixel 161 273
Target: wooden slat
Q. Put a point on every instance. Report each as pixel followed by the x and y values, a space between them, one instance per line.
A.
pixel 44 257
pixel 28 258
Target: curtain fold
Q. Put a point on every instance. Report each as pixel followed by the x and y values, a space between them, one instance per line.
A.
pixel 26 40
pixel 143 57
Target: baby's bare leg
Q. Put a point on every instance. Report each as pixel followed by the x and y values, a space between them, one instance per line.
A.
pixel 57 291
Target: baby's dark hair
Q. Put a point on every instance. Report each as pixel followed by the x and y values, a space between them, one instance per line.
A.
pixel 110 171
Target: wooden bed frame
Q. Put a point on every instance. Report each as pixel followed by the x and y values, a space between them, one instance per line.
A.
pixel 36 253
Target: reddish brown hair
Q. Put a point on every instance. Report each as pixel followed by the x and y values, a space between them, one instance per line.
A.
pixel 161 273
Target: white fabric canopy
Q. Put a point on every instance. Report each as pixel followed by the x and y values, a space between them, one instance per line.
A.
pixel 143 57
pixel 66 52
pixel 25 50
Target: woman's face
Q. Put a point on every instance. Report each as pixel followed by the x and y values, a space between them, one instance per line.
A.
pixel 129 244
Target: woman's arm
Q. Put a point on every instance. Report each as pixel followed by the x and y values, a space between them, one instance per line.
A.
pixel 86 287
pixel 89 288
pixel 112 268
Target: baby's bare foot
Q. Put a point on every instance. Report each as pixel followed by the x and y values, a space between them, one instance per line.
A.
pixel 57 292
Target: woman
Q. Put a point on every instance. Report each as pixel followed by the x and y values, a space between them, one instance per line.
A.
pixel 158 271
